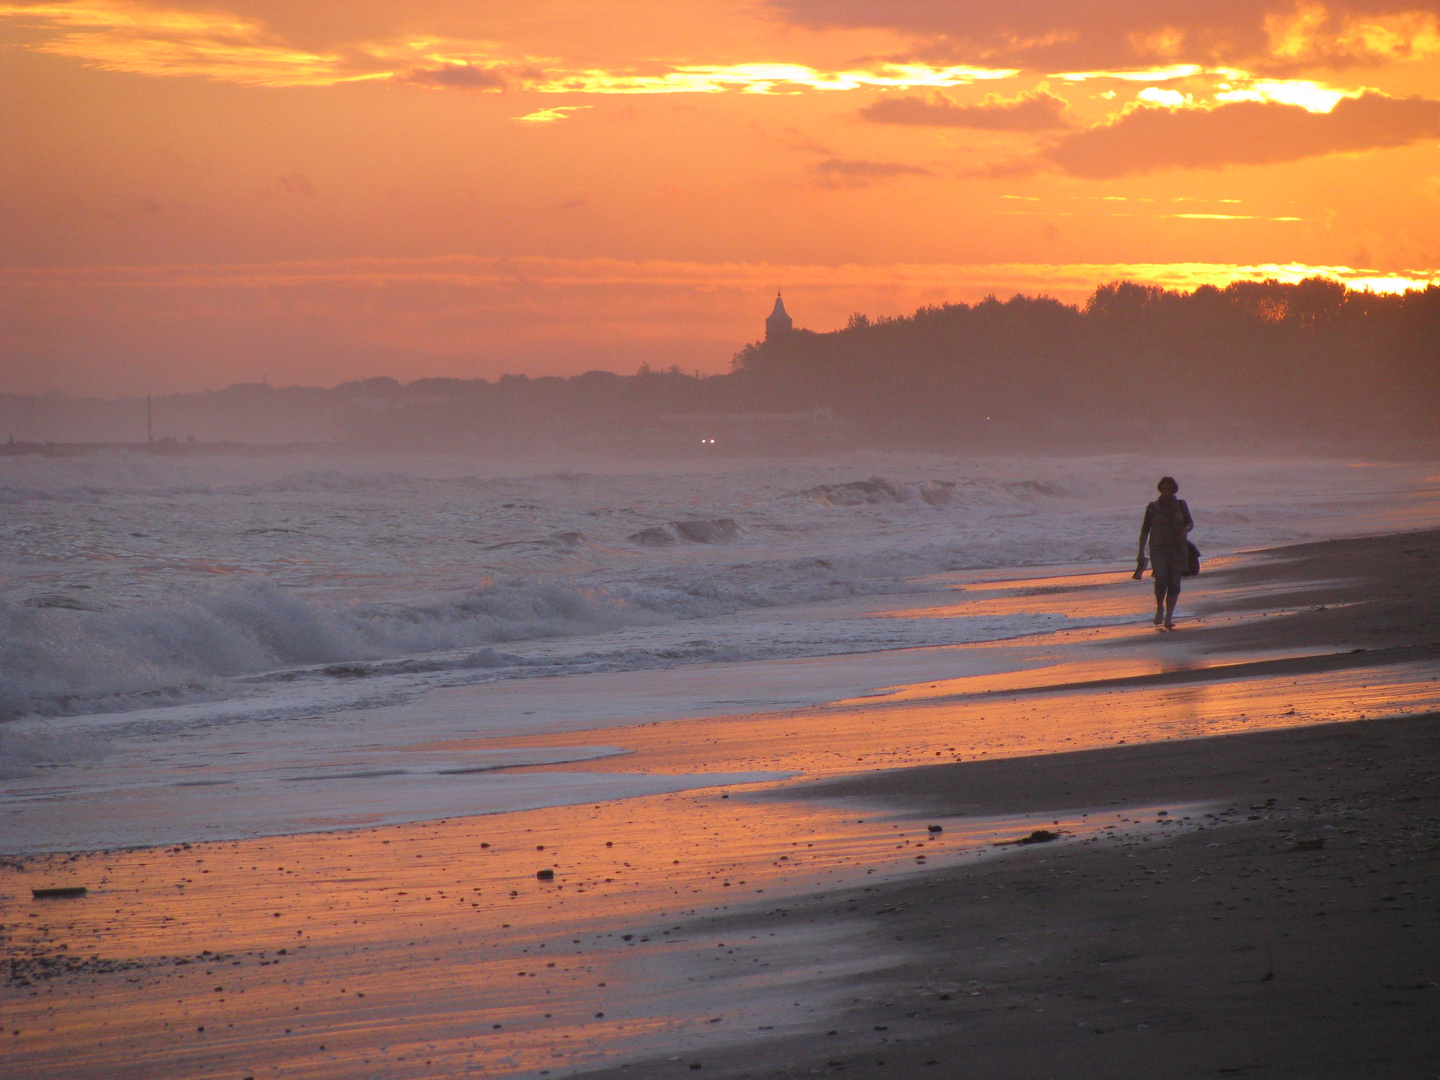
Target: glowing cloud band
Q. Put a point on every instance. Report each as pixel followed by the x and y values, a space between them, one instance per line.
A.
pixel 118 36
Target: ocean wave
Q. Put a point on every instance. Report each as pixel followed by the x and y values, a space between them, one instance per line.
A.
pixel 969 491
pixel 698 531
pixel 392 566
pixel 60 658
pixel 880 491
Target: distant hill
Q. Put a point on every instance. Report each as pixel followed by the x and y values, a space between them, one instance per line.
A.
pixel 1306 362
pixel 1310 366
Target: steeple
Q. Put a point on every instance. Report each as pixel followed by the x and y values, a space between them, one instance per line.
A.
pixel 779 323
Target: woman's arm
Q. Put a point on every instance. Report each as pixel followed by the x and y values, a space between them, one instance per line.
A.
pixel 1145 533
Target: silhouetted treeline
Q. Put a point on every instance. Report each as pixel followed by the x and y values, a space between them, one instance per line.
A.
pixel 1257 361
pixel 1256 364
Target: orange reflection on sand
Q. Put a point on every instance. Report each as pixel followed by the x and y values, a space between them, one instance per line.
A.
pixel 429 949
pixel 915 728
pixel 433 948
pixel 1052 675
pixel 1080 596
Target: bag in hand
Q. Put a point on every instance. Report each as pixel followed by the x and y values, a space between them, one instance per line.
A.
pixel 1192 560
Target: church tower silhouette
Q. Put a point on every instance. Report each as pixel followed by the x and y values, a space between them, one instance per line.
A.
pixel 778 323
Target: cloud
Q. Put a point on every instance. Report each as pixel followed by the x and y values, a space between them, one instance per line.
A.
pixel 550 115
pixel 1342 34
pixel 1174 99
pixel 118 35
pixel 1308 95
pixel 1167 73
pixel 1039 111
pixel 1242 133
pixel 210 42
pixel 842 172
pixel 463 76
pixel 1058 35
pixel 763 78
pixel 270 43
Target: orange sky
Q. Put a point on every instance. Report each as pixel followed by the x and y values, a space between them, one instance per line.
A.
pixel 196 194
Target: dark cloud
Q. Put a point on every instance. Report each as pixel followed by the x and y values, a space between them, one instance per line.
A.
pixel 459 77
pixel 840 172
pixel 1242 133
pixel 1028 112
pixel 1060 35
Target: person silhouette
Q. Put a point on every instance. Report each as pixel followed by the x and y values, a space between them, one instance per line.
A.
pixel 1167 525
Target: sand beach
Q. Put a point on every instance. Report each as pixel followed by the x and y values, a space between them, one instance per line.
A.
pixel 1242 879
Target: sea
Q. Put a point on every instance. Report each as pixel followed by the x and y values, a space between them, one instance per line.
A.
pixel 238 643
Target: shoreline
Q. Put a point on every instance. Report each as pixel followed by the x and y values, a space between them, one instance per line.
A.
pixel 414 912
pixel 1296 935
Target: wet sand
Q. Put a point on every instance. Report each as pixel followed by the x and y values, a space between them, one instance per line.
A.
pixel 1295 934
pixel 1281 919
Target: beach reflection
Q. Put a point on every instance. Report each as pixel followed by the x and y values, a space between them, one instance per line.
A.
pixel 432 949
pixel 1007 716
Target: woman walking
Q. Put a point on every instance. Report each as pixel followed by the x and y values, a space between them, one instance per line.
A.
pixel 1167 525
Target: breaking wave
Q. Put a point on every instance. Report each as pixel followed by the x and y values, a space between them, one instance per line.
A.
pixel 60 658
pixel 878 490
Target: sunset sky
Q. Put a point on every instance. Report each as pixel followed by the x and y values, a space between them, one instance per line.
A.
pixel 196 194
